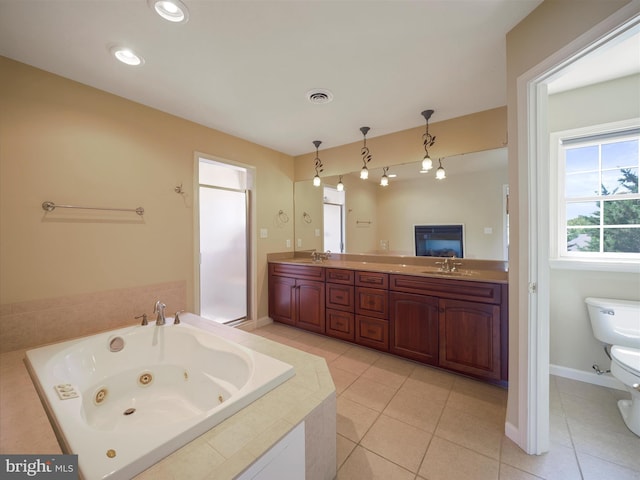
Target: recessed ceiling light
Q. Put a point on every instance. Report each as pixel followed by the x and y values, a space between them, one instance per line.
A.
pixel 171 10
pixel 126 55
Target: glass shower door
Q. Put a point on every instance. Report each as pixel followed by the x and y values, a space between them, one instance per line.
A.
pixel 223 254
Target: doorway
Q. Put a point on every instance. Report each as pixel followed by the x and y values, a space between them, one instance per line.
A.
pixel 333 223
pixel 223 220
pixel 533 130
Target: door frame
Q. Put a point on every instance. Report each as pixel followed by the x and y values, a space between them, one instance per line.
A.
pixel 252 262
pixel 532 433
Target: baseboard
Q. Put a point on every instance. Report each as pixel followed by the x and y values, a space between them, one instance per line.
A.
pixel 512 432
pixel 605 380
pixel 261 322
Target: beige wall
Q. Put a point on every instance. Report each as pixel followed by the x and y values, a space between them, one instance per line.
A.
pixel 572 342
pixel 550 27
pixel 471 133
pixel 72 144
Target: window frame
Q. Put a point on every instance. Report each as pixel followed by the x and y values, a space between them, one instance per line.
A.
pixel 559 256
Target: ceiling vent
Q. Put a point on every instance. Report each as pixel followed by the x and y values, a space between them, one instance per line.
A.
pixel 319 96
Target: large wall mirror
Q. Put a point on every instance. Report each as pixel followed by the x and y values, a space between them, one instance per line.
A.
pixel 369 218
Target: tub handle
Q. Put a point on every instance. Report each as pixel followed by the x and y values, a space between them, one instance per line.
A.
pixel 176 318
pixel 144 319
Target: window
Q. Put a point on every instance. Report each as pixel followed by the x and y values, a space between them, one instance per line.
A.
pixel 598 199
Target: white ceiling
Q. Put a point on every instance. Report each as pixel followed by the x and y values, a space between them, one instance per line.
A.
pixel 244 67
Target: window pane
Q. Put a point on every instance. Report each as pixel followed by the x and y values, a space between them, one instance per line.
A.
pixel 622 212
pixel 611 182
pixel 581 159
pixel 628 180
pixel 625 240
pixel 583 213
pixel 582 185
pixel 583 240
pixel 620 154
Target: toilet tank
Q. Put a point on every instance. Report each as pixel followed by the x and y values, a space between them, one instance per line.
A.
pixel 616 322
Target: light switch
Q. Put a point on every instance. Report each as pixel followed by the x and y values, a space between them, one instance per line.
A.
pixel 299 242
pixel 317 232
pixel 488 230
pixel 264 233
pixel 288 243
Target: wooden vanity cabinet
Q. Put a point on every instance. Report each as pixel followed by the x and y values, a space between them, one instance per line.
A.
pixel 455 324
pixel 469 320
pixel 340 302
pixel 297 296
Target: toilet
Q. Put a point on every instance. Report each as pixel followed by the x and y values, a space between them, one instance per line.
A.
pixel 617 323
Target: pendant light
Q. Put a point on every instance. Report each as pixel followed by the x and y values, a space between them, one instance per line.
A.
pixel 366 156
pixel 318 166
pixel 427 141
pixel 384 181
pixel 440 173
pixel 340 186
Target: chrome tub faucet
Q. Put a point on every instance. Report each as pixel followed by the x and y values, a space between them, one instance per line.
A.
pixel 158 308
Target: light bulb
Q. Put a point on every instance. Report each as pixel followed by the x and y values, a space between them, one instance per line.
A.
pixel 127 56
pixel 340 186
pixel 440 173
pixel 173 10
pixel 384 181
pixel 427 164
pixel 364 173
pixel 316 181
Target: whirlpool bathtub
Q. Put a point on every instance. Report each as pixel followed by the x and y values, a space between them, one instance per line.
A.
pixel 125 399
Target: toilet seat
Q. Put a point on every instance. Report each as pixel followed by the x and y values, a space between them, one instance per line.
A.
pixel 627 358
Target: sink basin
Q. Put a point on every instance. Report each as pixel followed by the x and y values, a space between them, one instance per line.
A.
pixel 456 273
pixel 305 261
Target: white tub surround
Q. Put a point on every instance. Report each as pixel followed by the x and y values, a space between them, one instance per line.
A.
pixel 123 400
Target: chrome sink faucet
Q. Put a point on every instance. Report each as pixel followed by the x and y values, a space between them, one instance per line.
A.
pixel 317 257
pixel 159 309
pixel 448 264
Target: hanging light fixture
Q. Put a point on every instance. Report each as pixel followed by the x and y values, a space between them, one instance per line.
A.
pixel 340 186
pixel 318 165
pixel 427 141
pixel 440 173
pixel 366 156
pixel 384 181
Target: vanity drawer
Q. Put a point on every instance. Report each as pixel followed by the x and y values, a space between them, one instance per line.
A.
pixel 445 288
pixel 340 297
pixel 372 332
pixel 339 275
pixel 372 279
pixel 373 302
pixel 340 325
pixel 297 271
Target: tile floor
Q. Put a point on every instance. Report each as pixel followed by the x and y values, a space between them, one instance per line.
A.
pixel 401 420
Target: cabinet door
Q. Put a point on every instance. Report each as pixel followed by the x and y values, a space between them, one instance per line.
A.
pixel 282 299
pixel 413 321
pixel 470 338
pixel 310 299
pixel 340 324
pixel 372 332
